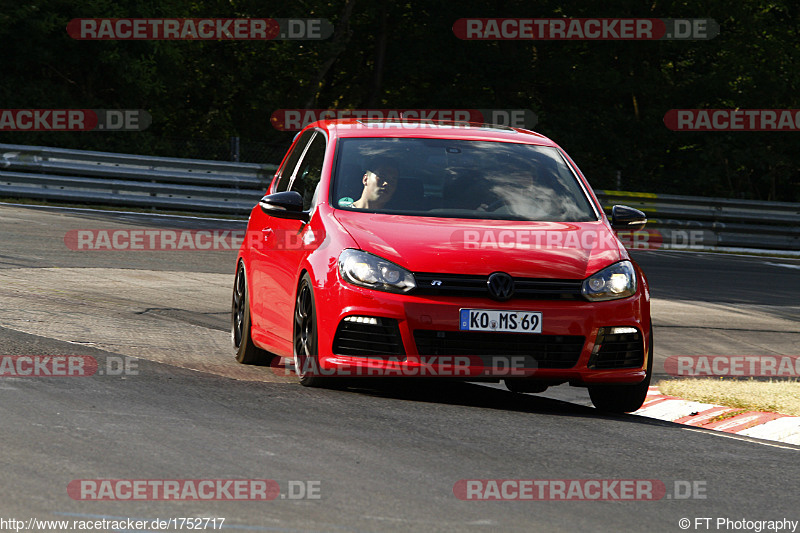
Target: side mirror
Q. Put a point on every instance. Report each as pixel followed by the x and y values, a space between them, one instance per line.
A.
pixel 287 204
pixel 627 218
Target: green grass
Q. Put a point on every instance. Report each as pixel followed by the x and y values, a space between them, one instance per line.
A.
pixel 754 395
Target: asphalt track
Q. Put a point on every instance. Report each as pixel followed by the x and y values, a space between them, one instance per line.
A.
pixel 386 456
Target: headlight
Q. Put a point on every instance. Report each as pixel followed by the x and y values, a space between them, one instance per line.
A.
pixel 370 271
pixel 611 283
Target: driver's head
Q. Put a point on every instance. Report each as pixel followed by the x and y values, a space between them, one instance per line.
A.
pixel 380 183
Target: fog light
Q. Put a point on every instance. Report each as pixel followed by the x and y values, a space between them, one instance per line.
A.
pixel 619 330
pixel 362 320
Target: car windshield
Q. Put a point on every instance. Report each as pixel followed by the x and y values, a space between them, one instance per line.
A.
pixel 457 179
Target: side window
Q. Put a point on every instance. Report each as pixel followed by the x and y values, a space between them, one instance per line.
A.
pixel 310 171
pixel 291 162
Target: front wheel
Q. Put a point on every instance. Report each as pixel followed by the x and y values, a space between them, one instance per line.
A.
pixel 306 350
pixel 624 398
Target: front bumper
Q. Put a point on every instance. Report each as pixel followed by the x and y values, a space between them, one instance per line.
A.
pixel 424 339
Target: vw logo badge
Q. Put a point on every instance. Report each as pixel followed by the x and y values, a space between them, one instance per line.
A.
pixel 501 286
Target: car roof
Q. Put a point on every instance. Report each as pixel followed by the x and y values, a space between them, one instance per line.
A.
pixel 352 127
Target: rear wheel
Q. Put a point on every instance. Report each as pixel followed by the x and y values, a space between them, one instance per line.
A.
pixel 624 398
pixel 246 352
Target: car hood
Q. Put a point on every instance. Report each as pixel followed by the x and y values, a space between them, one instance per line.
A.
pixel 556 250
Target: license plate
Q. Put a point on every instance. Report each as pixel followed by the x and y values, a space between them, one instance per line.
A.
pixel 500 320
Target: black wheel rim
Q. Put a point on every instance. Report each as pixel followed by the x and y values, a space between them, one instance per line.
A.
pixel 303 331
pixel 238 307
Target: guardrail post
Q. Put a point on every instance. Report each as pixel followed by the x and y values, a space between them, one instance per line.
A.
pixel 235 149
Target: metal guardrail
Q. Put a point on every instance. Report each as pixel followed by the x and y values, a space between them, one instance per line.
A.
pixel 683 222
pixel 81 176
pixel 193 185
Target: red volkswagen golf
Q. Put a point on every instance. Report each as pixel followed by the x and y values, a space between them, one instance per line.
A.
pixel 442 250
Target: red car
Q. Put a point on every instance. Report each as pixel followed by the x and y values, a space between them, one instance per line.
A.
pixel 443 250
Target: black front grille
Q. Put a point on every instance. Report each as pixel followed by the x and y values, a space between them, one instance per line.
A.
pixel 475 286
pixel 369 340
pixel 538 351
pixel 620 350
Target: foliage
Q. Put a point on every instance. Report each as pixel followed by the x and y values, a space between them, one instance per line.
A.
pixel 603 101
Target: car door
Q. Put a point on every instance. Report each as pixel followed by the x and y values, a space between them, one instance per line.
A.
pixel 260 238
pixel 282 248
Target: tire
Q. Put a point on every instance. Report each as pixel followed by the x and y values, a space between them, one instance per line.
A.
pixel 247 353
pixel 305 339
pixel 624 398
pixel 525 385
